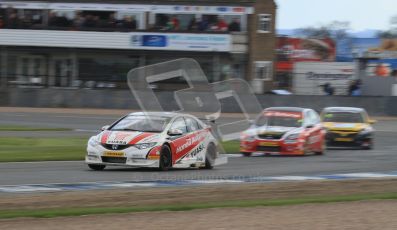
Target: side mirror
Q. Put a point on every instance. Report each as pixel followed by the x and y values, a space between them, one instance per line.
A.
pixel 372 121
pixel 174 132
pixel 105 127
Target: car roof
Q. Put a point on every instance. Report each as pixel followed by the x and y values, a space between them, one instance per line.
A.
pixel 344 109
pixel 286 109
pixel 159 114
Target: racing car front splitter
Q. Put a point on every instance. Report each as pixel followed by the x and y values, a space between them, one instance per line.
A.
pixel 273 147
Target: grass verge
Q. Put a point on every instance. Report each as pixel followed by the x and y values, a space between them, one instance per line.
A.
pixel 22 149
pixel 50 213
pixel 19 149
pixel 231 146
pixel 28 128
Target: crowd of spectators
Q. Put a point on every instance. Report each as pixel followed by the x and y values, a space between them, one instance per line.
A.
pixel 10 19
pixel 219 25
pixel 90 21
pixel 86 20
pixel 204 23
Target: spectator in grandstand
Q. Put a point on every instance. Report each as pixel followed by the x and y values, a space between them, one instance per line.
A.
pixel 97 22
pixel 2 25
pixel 63 21
pixel 112 21
pixel 6 16
pixel 78 21
pixel 235 25
pixel 161 22
pixel 13 21
pixel 36 19
pixel 213 26
pixel 169 25
pixel 175 23
pixel 203 24
pixel 129 22
pixel 193 24
pixel 26 21
pixel 89 21
pixel 52 19
pixel 222 25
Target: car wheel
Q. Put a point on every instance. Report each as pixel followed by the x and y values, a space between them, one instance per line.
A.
pixel 247 154
pixel 210 156
pixel 97 167
pixel 370 146
pixel 165 158
pixel 323 149
pixel 306 149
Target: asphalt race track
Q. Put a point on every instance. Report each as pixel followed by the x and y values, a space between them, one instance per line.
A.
pixel 382 159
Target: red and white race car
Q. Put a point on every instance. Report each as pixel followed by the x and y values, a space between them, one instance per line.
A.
pixel 156 140
pixel 285 131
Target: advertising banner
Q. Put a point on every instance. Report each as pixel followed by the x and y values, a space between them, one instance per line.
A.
pixel 182 41
pixel 310 77
pixel 348 49
pixel 291 50
pixel 381 54
pixel 125 41
pixel 351 48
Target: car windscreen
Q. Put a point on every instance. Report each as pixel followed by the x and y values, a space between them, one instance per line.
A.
pixel 141 124
pixel 343 117
pixel 284 121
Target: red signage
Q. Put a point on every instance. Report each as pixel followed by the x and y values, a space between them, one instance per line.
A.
pixel 283 114
pixel 291 50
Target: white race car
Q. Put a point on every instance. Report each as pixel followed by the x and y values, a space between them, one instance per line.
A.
pixel 155 140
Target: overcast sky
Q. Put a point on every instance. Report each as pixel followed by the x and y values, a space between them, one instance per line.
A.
pixel 363 14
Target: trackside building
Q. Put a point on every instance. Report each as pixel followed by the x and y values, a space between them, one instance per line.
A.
pixel 93 44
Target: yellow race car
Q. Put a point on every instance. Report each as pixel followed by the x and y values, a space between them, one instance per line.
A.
pixel 348 127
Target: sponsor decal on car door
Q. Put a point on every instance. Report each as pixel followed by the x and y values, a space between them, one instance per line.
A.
pixel 314 137
pixel 184 145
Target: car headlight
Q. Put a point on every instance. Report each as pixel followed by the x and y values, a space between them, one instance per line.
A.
pixel 145 145
pixel 93 141
pixel 292 138
pixel 248 138
pixel 366 130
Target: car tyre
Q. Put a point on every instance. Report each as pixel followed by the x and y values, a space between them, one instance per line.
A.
pixel 306 151
pixel 246 154
pixel 165 158
pixel 96 167
pixel 323 149
pixel 370 146
pixel 210 156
